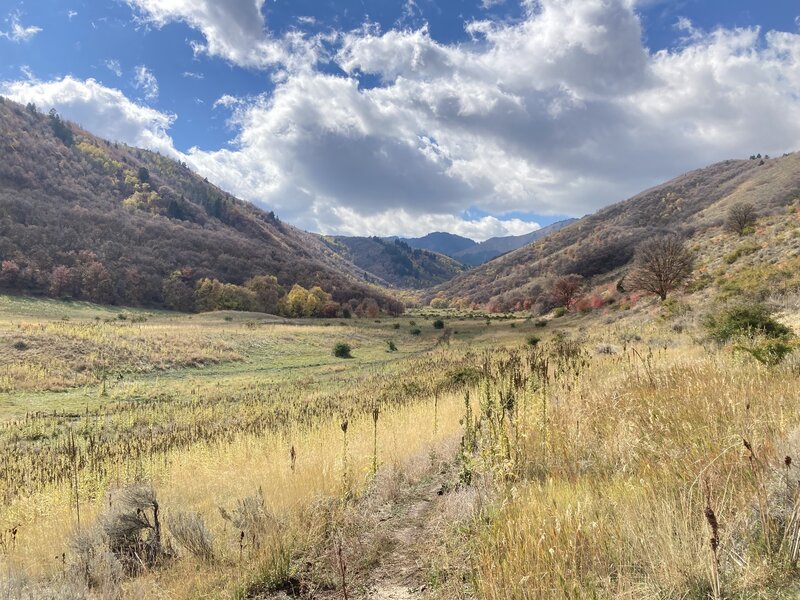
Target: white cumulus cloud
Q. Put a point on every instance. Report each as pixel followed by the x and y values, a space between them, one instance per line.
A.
pixel 559 113
pixel 234 30
pixel 102 110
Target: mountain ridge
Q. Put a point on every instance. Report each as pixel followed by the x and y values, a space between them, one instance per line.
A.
pixel 599 246
pixel 87 218
pixel 393 262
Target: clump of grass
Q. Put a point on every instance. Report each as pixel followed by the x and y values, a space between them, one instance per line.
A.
pixel 391 346
pixel 251 518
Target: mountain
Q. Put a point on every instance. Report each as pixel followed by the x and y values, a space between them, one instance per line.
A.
pixel 86 218
pixel 394 262
pixel 448 244
pixel 493 247
pixel 599 246
pixel 472 253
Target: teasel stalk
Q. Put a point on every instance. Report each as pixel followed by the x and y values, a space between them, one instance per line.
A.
pixel 713 542
pixel 755 467
pixel 375 415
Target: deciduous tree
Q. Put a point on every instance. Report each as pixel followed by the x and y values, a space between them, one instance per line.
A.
pixel 661 265
pixel 740 216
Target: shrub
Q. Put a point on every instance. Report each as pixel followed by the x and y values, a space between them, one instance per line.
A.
pixel 741 217
pixel 391 345
pixel 438 324
pixel 559 312
pixel 190 531
pixel 396 326
pixel 131 528
pixel 540 323
pixel 251 517
pixel 20 345
pixel 748 320
pixel 767 351
pixel 744 250
pixel 532 340
pixel 342 350
pixel 415 331
pixel 464 376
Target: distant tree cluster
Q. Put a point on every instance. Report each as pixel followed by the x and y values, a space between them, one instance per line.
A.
pixel 660 266
pixel 262 293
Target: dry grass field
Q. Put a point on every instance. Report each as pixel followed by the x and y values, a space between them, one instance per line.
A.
pixel 233 456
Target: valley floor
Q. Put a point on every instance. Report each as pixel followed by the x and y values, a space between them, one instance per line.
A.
pixel 156 455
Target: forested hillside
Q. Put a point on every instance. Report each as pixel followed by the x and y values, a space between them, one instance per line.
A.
pixel 85 218
pixel 395 262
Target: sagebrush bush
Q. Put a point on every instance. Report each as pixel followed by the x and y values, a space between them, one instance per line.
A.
pixel 190 531
pixel 438 324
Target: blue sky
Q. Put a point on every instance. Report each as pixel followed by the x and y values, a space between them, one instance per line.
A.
pixel 373 117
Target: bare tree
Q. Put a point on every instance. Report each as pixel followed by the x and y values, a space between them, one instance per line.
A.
pixel 660 266
pixel 740 216
pixel 566 289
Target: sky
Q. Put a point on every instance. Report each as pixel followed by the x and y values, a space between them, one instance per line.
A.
pixel 378 117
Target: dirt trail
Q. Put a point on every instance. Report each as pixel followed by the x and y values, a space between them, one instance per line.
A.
pixel 400 575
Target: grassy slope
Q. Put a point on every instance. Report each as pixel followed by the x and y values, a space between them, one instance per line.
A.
pixel 599 245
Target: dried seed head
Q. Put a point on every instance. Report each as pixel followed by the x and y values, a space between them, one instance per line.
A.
pixel 344 426
pixel 714 526
pixel 747 445
pixel 787 461
pixel 375 414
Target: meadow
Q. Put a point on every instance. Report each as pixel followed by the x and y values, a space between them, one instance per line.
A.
pixel 229 455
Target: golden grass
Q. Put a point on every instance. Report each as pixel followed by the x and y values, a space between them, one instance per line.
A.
pixel 615 503
pixel 207 477
pixel 598 466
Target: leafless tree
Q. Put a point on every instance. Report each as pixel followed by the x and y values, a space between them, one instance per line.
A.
pixel 566 289
pixel 661 265
pixel 740 216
